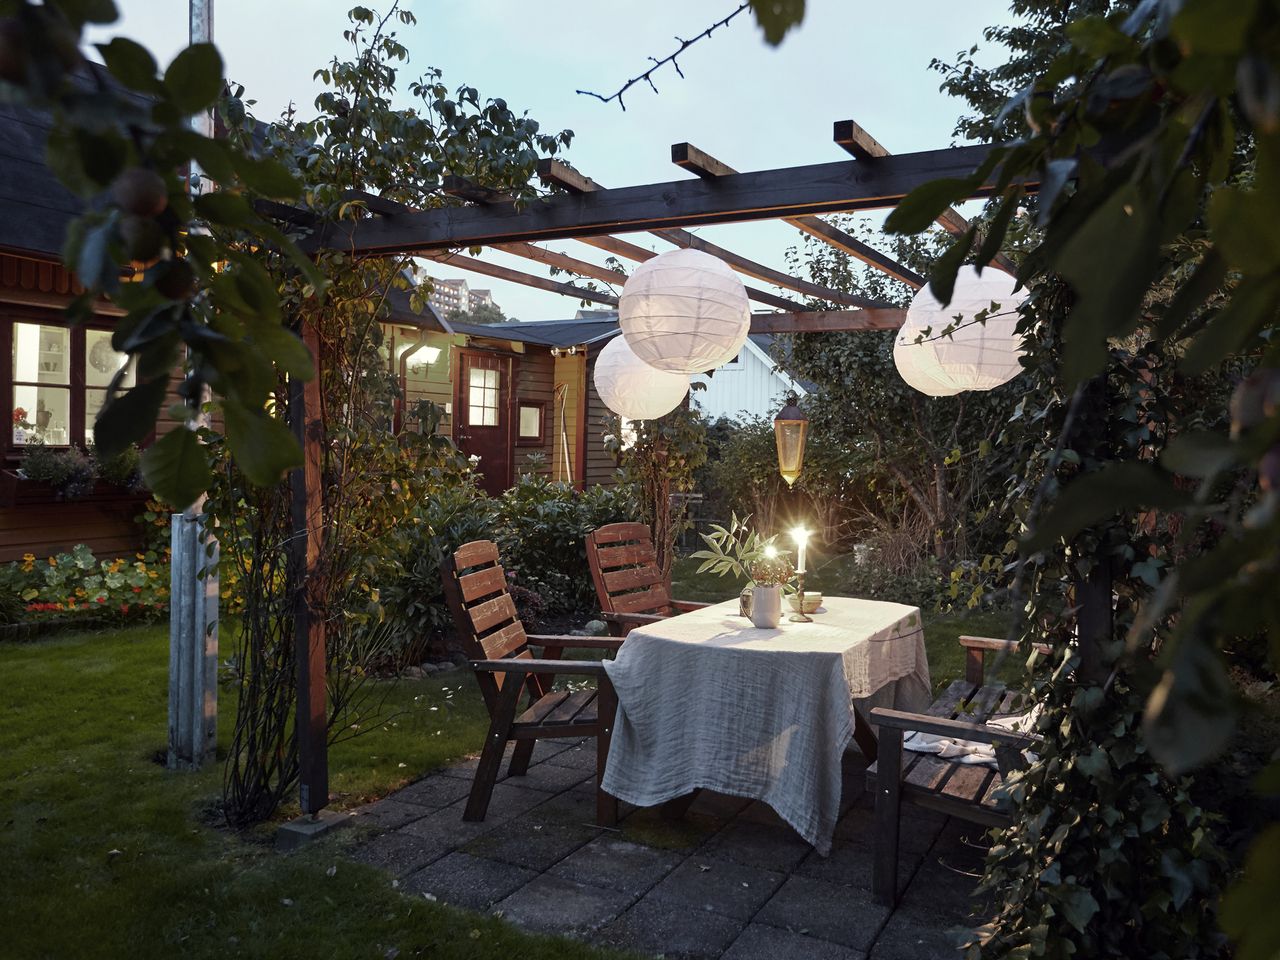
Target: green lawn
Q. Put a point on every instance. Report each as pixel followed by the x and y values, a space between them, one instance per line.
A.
pixel 107 854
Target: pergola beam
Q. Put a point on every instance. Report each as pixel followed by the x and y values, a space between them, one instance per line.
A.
pixel 555 172
pixel 463 262
pixel 864 147
pixel 829 321
pixel 689 157
pixel 762 195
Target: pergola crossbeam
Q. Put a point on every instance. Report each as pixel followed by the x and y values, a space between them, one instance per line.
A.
pixel 762 195
pixel 464 262
pixel 697 161
pixel 556 172
pixel 865 147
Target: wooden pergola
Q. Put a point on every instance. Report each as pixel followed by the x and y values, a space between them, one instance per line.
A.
pixel 580 209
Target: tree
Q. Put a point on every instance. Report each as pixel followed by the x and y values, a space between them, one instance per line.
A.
pixel 1153 130
pixel 484 313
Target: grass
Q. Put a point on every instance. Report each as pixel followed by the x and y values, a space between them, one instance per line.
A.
pixel 108 854
pixel 941 631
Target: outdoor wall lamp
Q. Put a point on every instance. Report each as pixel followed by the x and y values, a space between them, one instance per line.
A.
pixel 790 429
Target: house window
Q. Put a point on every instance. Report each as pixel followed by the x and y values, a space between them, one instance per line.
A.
pixel 58 379
pixel 482 399
pixel 532 422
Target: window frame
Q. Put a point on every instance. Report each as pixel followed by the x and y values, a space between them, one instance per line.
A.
pixel 541 438
pixel 12 314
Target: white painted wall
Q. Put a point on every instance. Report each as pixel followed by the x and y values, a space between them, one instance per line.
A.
pixel 750 387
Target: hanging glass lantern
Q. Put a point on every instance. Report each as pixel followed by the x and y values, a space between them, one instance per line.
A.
pixel 790 429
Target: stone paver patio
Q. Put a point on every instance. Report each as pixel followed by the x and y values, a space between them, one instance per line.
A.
pixel 728 881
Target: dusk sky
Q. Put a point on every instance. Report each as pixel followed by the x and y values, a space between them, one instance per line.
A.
pixel 752 106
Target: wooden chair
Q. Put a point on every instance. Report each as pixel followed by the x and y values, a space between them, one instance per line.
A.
pixel 475 588
pixel 629 586
pixel 968 791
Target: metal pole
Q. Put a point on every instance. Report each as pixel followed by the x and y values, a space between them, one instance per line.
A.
pixel 193 580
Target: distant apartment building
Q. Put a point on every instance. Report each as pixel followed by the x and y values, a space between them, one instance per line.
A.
pixel 457 295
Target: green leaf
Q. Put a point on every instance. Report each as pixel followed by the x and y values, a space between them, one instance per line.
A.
pixel 194 78
pixel 1096 496
pixel 942 279
pixel 263 446
pixel 132 64
pixel 1189 717
pixel 129 417
pixel 1198 454
pixel 1077 904
pixel 1109 261
pixel 1203 283
pixel 228 209
pixel 1213 26
pixel 1244 230
pixel 923 205
pixel 285 348
pixel 1249 913
pixel 271 178
pixel 176 467
pixel 1253 303
pixel 777 17
pixel 998 227
pixel 80 12
pixel 214 157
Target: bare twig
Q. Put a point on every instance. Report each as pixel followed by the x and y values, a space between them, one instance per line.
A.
pixel 647 76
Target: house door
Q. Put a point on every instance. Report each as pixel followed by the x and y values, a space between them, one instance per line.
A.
pixel 483 424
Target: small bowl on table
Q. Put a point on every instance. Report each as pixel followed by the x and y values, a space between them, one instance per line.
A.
pixel 812 601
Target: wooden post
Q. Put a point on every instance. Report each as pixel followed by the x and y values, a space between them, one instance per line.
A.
pixel 307 514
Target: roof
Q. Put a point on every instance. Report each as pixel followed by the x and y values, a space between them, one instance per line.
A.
pixel 547 333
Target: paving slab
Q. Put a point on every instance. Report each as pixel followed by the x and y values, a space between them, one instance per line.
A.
pixel 905 939
pixel 581 755
pixel 760 845
pixel 570 807
pixel 434 792
pixel 466 769
pixel 851 864
pixel 606 861
pixel 388 813
pixel 718 886
pixel 828 911
pixel 527 842
pixel 649 827
pixel 545 749
pixel 916 834
pixel 761 942
pixel 719 806
pixel 676 933
pixel 943 895
pixel 551 778
pixel 554 905
pixel 399 854
pixel 466 881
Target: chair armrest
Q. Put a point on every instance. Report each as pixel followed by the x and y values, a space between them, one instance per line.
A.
pixel 944 727
pixel 582 668
pixel 688 606
pixel 560 642
pixel 991 643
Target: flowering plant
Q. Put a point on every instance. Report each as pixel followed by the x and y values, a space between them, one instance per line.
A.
pixel 20 417
pixel 77 582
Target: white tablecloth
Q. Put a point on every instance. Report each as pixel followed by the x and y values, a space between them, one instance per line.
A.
pixel 707 700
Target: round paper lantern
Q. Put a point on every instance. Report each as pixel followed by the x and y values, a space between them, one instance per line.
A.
pixel 684 312
pixel 633 389
pixel 974 356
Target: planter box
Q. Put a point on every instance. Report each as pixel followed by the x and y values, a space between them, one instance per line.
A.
pixel 15 491
pixel 34 630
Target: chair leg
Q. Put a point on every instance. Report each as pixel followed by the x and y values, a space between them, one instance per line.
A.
pixel 607 704
pixel 504 713
pixel 884 879
pixel 520 758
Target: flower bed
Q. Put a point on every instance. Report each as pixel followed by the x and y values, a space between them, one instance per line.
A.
pixel 78 588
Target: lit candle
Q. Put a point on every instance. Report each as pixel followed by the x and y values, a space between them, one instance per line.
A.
pixel 801 536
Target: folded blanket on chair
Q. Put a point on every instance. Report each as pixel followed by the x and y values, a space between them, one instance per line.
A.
pixel 969 751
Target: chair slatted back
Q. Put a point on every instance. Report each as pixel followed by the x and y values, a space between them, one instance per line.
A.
pixel 624 568
pixel 475 588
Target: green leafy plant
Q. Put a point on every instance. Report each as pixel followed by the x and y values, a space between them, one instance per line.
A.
pixel 732 549
pixel 66 469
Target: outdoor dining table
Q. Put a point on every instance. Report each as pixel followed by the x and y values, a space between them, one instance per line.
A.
pixel 707 700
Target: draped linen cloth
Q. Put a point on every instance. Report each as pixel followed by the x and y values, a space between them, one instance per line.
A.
pixel 707 700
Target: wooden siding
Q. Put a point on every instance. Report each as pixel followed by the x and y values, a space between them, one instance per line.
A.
pixel 750 387
pixel 535 381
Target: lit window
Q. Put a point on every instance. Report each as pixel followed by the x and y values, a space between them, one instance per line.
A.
pixel 482 398
pixel 532 415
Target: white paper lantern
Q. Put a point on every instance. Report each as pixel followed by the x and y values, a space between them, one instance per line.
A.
pixel 684 312
pixel 633 389
pixel 974 356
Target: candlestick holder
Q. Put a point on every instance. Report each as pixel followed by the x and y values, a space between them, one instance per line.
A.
pixel 800 616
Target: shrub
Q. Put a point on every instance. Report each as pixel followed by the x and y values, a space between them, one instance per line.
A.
pixel 69 471
pixel 122 470
pixel 79 584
